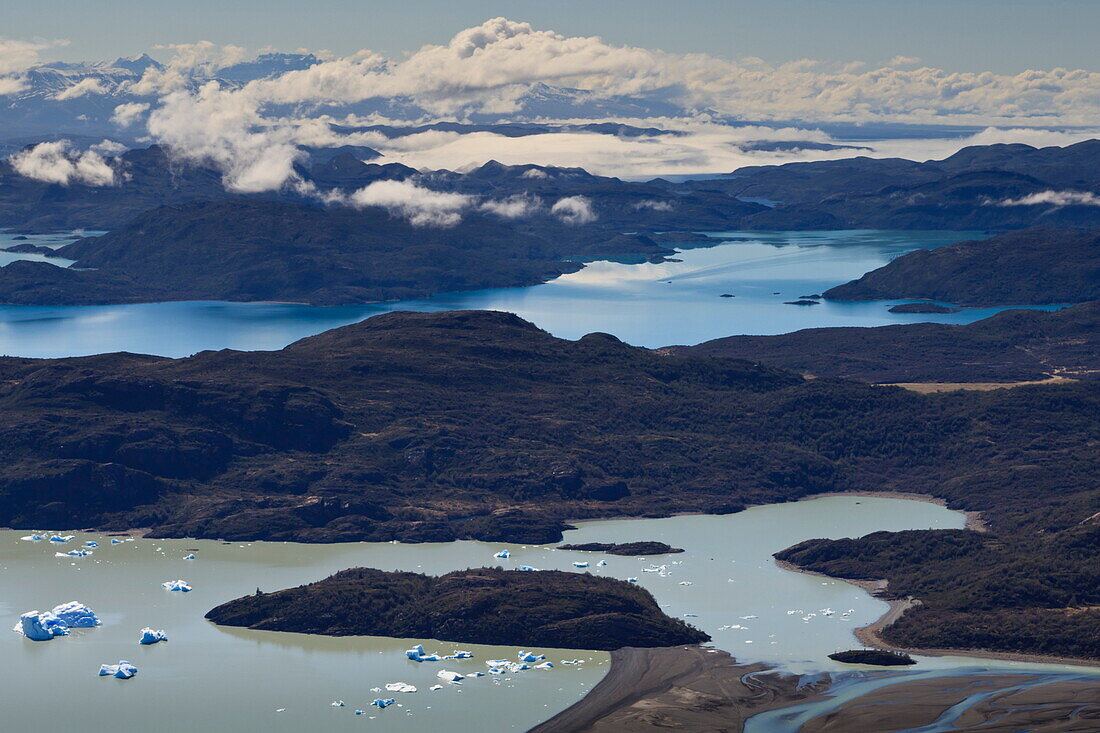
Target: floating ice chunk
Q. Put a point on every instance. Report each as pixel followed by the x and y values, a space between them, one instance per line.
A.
pixel 376 689
pixel 417 654
pixel 61 538
pixel 497 662
pixel 152 636
pixel 531 657
pixel 337 703
pixel 686 582
pixel 123 670
pixel 572 661
pixel 460 654
pixel 33 538
pixel 827 612
pixel 180 585
pixel 545 665
pixel 76 615
pixel 602 563
pixel 691 615
pixel 383 702
pixel 189 557
pixel 526 568
pixel 433 688
pixel 750 616
pixel 362 712
pixel 73 553
pixel 91 543
pixel 631 580
pixel 116 541
pixel 503 554
pixel 476 674
pixel 580 564
pixel 400 687
pixel 40 626
pixel 448 676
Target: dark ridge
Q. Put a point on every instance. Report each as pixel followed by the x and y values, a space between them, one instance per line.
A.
pixel 545 608
pixel 1011 346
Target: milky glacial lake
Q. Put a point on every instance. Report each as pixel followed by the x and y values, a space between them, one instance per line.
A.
pixel 221 679
pixel 643 304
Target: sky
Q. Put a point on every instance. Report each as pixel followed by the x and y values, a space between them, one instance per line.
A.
pixel 1003 36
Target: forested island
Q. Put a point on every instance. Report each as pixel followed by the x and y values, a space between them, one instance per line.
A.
pixel 625 548
pixel 543 608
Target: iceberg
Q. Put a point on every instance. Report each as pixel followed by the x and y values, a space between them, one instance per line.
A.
pixel 76 615
pixel 123 670
pixel 337 703
pixel 189 557
pixel 40 626
pixel 115 541
pixel 530 657
pixel 631 580
pixel 383 702
pixel 580 564
pixel 73 553
pixel 526 568
pixel 545 665
pixel 503 554
pixel 601 563
pixel 460 654
pixel 448 676
pixel 33 538
pixel 61 538
pixel 417 654
pixel 433 688
pixel 180 585
pixel 91 543
pixel 400 687
pixel 152 636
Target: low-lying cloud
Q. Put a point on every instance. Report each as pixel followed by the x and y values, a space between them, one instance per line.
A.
pixel 1056 198
pixel 420 206
pixel 56 162
pixel 574 210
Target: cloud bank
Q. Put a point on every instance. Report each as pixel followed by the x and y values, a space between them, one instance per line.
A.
pixel 55 162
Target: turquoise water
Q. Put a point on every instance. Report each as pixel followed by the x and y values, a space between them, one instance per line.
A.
pixel 643 304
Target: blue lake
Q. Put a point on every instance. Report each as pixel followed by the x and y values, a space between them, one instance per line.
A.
pixel 644 304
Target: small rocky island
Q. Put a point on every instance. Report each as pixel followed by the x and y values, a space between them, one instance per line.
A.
pixel 625 548
pixel 549 608
pixel 922 308
pixel 877 657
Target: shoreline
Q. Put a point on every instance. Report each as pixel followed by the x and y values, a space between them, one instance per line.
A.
pixel 687 688
pixel 871 634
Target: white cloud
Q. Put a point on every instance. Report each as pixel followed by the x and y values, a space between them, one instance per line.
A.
pixel 87 85
pixel 421 206
pixel 15 58
pixel 517 206
pixel 574 210
pixel 489 67
pixel 54 162
pixel 129 113
pixel 903 61
pixel 1056 198
pixel 654 205
pixel 109 147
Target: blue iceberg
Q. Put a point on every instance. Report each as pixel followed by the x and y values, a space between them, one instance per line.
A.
pixel 152 636
pixel 180 585
pixel 123 670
